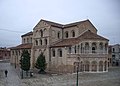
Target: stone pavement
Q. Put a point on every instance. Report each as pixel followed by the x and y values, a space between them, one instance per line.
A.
pixel 111 78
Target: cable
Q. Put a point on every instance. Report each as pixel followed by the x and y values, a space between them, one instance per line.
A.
pixel 11 30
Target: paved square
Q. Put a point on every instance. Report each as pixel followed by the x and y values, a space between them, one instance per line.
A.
pixel 111 78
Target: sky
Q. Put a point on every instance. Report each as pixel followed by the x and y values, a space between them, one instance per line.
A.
pixel 18 17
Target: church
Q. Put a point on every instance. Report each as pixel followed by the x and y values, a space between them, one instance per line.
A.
pixel 65 46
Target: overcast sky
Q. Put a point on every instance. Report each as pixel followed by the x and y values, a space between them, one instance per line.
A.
pixel 20 16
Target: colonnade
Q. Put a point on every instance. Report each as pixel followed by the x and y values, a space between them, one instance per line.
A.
pixel 91 66
pixel 89 47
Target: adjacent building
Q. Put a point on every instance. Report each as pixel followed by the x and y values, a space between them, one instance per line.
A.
pixel 4 53
pixel 25 45
pixel 116 55
pixel 110 56
pixel 65 47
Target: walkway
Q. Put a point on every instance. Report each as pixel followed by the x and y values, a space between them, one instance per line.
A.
pixel 111 78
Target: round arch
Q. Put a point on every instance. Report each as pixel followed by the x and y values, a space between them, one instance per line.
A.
pixel 94 66
pixel 100 65
pixel 87 65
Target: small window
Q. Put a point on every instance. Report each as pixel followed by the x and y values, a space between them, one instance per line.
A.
pixel 36 42
pixel 113 56
pixel 106 46
pixel 45 41
pixel 41 33
pixel 40 41
pixel 73 33
pixel 58 35
pixel 66 34
pixel 93 49
pixel 113 49
pixel 59 52
pixel 53 52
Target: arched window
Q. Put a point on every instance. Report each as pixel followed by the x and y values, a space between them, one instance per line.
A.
pixel 41 33
pixel 53 52
pixel 60 52
pixel 73 33
pixel 105 66
pixel 86 46
pixel 40 41
pixel 101 46
pixel 36 42
pixel 66 34
pixel 87 65
pixel 94 47
pixel 45 41
pixel 58 34
pixel 94 66
pixel 100 65
pixel 81 66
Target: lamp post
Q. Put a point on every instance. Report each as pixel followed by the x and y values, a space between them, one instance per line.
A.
pixel 77 73
pixel 78 61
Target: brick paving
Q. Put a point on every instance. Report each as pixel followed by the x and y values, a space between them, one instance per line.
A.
pixel 111 78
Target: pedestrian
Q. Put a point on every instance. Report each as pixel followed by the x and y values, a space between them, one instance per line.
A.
pixel 6 72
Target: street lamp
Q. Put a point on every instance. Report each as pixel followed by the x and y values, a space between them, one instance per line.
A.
pixel 78 61
pixel 77 73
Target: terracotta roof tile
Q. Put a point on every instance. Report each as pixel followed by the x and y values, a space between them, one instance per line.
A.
pixel 89 35
pixel 27 34
pixel 53 23
pixel 66 42
pixel 23 46
pixel 62 25
pixel 72 41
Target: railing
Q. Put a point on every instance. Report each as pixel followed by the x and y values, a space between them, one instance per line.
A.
pixel 86 55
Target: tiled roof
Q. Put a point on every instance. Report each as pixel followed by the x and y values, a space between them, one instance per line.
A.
pixel 27 34
pixel 62 25
pixel 72 41
pixel 90 35
pixel 23 46
pixel 53 23
pixel 66 42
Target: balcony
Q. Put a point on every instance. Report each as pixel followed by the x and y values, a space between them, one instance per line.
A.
pixel 92 55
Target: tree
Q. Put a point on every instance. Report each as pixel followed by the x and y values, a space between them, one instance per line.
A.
pixel 41 63
pixel 25 61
